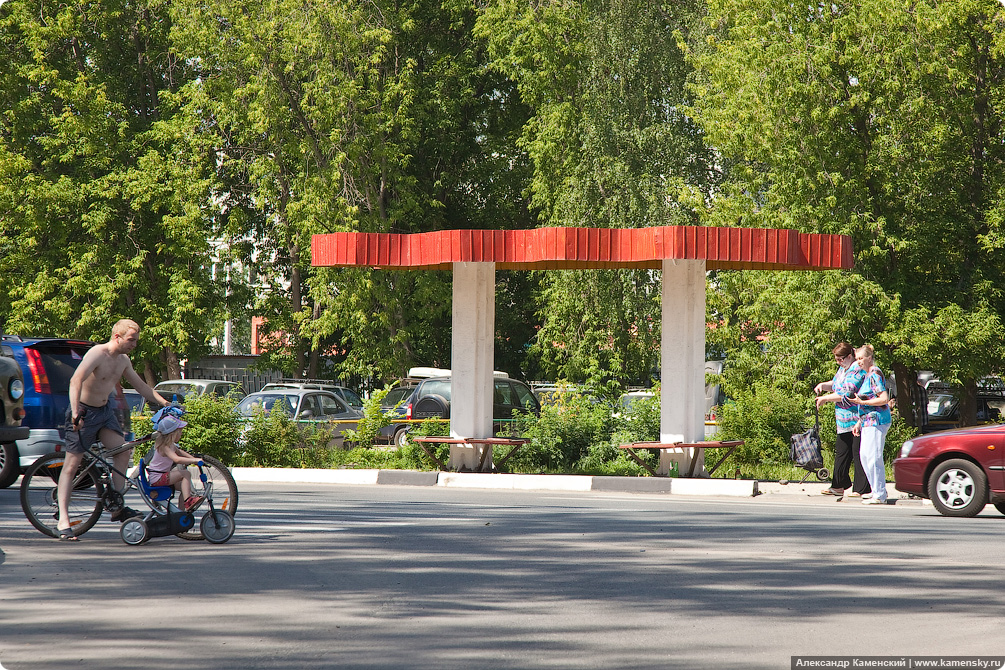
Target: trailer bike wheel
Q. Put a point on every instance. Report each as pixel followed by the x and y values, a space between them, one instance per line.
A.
pixel 217 526
pixel 38 496
pixel 134 531
pixel 221 484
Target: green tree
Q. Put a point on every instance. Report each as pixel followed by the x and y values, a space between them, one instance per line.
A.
pixel 375 117
pixel 882 121
pixel 103 183
pixel 611 146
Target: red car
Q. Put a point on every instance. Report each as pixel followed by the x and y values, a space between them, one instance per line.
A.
pixel 960 470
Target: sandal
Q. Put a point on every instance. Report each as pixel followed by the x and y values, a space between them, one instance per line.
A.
pixel 192 502
pixel 66 535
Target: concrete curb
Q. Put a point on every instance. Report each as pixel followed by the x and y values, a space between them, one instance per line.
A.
pixel 524 482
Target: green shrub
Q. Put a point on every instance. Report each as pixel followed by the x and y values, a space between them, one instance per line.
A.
pixel 765 418
pixel 368 429
pixel 563 433
pixel 213 427
pixel 275 440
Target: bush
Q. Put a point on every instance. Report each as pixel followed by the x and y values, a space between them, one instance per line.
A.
pixel 368 429
pixel 213 427
pixel 276 440
pixel 563 433
pixel 765 418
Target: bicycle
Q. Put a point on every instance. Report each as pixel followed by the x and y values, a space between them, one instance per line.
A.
pixel 93 493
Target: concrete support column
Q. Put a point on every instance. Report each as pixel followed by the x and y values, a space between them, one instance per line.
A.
pixel 682 406
pixel 472 358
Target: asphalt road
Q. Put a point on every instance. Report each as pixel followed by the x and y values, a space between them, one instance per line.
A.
pixel 329 576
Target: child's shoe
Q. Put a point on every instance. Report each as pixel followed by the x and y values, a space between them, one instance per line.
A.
pixel 192 502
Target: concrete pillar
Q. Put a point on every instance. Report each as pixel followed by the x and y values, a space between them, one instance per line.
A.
pixel 682 395
pixel 472 358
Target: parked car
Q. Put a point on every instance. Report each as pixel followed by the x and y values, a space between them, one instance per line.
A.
pixel 959 470
pixel 305 406
pixel 431 399
pixel 944 405
pixel 11 414
pixel 179 389
pixel 133 400
pixel 347 395
pixel 394 406
pixel 47 365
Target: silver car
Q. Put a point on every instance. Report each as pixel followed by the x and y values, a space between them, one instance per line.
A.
pixel 305 406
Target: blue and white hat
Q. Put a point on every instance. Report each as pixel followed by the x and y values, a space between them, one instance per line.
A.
pixel 169 423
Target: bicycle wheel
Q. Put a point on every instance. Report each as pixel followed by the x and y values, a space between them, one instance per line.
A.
pixel 220 483
pixel 38 495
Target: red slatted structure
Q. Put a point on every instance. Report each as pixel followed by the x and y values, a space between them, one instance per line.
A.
pixel 583 248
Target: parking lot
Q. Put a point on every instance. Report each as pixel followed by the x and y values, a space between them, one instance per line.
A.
pixel 324 576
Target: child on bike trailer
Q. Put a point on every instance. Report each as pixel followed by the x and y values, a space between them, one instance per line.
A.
pixel 167 454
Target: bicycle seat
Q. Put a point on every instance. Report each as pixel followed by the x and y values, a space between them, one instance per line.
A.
pixel 156 493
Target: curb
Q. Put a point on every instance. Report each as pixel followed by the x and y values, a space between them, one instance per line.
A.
pixel 746 488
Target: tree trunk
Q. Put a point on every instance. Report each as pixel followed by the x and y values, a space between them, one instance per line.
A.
pixel 906 380
pixel 171 361
pixel 968 403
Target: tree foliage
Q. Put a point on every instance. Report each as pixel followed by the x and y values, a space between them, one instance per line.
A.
pixel 882 121
pixel 611 146
pixel 103 180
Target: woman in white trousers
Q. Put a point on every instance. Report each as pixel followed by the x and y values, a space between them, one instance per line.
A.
pixel 873 423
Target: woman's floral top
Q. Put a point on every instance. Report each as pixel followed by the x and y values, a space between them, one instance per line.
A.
pixel 846 382
pixel 873 385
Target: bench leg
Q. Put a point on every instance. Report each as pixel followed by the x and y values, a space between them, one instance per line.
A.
pixel 429 452
pixel 631 452
pixel 720 461
pixel 505 458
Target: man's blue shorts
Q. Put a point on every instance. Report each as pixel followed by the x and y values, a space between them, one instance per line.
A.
pixel 92 421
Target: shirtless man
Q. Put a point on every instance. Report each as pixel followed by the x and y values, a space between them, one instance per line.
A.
pixel 91 419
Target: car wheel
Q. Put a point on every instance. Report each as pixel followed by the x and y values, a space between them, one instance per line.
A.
pixel 958 487
pixel 10 466
pixel 401 437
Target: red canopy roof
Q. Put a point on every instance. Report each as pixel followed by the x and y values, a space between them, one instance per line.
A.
pixel 566 248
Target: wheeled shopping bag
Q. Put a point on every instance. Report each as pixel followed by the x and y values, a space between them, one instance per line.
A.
pixel 806 452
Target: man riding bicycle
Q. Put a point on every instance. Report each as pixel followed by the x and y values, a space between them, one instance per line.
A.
pixel 90 419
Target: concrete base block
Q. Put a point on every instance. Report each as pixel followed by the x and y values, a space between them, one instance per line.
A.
pixel 633 484
pixel 306 476
pixel 478 480
pixel 714 487
pixel 407 478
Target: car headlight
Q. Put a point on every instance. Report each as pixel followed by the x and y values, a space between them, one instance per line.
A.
pixel 905 450
pixel 16 389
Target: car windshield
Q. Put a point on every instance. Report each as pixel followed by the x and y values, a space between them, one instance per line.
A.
pixel 177 391
pixel 266 402
pixel 60 362
pixel 395 396
pixel 941 405
pixel 628 400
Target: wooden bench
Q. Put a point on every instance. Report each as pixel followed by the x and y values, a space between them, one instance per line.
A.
pixel 514 442
pixel 729 445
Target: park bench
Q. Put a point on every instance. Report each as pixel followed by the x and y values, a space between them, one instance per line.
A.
pixel 514 442
pixel 729 445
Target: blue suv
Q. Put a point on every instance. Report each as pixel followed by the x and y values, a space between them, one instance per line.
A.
pixel 47 365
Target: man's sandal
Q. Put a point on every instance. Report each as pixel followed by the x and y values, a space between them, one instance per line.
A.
pixel 67 535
